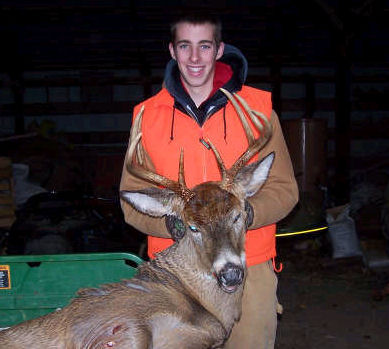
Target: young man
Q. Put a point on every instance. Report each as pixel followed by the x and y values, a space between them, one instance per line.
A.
pixel 189 110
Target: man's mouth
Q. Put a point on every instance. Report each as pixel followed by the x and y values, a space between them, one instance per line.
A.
pixel 195 71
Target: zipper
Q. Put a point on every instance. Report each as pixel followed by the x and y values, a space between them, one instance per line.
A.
pixel 204 143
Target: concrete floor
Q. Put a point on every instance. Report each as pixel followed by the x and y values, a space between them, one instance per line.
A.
pixel 329 304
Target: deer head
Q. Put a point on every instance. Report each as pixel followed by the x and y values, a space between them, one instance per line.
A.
pixel 213 216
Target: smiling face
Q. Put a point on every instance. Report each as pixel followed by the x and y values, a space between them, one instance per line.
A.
pixel 196 52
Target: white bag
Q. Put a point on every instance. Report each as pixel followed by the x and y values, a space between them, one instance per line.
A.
pixel 342 233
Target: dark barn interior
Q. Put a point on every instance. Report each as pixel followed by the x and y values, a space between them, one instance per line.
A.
pixel 72 71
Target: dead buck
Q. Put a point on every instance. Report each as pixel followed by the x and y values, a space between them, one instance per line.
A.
pixel 189 296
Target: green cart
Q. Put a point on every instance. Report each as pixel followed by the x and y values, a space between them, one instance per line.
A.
pixel 31 286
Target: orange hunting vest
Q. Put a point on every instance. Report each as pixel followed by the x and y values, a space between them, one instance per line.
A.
pixel 165 131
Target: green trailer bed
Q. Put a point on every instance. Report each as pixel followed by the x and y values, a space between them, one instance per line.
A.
pixel 31 286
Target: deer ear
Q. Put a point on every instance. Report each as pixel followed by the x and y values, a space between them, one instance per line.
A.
pixel 154 202
pixel 252 177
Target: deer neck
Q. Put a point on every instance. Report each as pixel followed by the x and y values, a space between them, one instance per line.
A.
pixel 181 260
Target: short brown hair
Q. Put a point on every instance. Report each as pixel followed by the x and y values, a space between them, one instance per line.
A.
pixel 198 18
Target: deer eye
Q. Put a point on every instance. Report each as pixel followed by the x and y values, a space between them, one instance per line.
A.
pixel 236 218
pixel 193 228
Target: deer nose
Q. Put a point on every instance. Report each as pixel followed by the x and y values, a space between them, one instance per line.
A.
pixel 230 277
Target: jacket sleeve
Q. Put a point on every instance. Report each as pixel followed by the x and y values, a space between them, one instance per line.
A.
pixel 144 223
pixel 279 194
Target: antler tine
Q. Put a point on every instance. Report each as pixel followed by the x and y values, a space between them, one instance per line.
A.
pixel 254 115
pixel 266 130
pixel 220 162
pixel 249 132
pixel 141 172
pixel 254 144
pixel 264 126
pixel 135 130
pixel 182 189
pixel 133 144
pixel 181 176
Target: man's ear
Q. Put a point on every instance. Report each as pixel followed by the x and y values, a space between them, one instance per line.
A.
pixel 220 50
pixel 171 49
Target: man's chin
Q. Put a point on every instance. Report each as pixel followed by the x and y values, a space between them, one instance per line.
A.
pixel 196 82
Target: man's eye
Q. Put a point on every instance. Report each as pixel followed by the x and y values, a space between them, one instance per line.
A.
pixel 183 46
pixel 205 47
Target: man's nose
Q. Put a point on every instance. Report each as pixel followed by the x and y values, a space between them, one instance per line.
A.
pixel 194 56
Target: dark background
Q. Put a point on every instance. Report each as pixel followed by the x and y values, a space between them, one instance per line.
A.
pixel 82 63
pixel 71 72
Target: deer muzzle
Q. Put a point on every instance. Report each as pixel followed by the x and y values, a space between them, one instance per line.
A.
pixel 230 277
